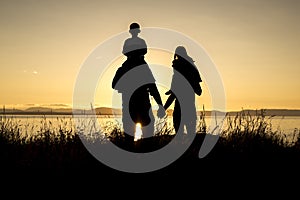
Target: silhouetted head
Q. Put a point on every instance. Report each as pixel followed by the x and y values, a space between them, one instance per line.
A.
pixel 180 52
pixel 134 26
pixel 134 29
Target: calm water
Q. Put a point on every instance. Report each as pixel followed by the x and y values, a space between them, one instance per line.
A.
pixel 37 123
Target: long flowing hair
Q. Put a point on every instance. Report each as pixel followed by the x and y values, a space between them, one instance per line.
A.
pixel 181 52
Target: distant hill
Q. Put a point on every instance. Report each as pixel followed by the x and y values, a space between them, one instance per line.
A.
pixel 64 111
pixel 38 109
pixel 116 111
pixel 269 112
pixel 8 111
pixel 108 111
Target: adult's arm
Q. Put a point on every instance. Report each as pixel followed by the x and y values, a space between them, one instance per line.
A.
pixel 170 99
pixel 154 92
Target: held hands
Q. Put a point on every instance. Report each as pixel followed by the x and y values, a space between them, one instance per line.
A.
pixel 161 111
pixel 168 92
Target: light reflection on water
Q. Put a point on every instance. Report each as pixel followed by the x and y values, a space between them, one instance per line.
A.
pixel 34 124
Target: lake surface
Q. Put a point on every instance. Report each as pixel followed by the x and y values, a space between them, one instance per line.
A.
pixel 38 123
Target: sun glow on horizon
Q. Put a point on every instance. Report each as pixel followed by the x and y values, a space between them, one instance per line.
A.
pixel 156 58
pixel 254 44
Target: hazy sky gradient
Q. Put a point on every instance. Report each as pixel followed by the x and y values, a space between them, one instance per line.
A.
pixel 254 44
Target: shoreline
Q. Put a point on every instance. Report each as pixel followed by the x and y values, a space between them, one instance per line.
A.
pixel 265 112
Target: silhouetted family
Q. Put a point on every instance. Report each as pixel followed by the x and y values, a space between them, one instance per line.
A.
pixel 135 81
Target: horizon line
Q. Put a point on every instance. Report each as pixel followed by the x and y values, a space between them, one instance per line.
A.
pixel 57 106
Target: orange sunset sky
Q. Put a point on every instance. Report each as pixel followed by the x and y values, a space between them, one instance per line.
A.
pixel 255 46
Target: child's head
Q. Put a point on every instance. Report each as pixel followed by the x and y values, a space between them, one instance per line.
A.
pixel 134 29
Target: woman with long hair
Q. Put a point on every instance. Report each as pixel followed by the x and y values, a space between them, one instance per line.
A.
pixel 185 84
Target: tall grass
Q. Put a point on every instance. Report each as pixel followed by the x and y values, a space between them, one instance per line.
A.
pixel 254 136
pixel 244 130
pixel 58 142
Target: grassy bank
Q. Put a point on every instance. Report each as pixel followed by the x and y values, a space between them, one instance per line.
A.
pixel 246 139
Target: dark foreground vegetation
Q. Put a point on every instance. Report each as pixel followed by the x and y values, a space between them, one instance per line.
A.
pixel 247 145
